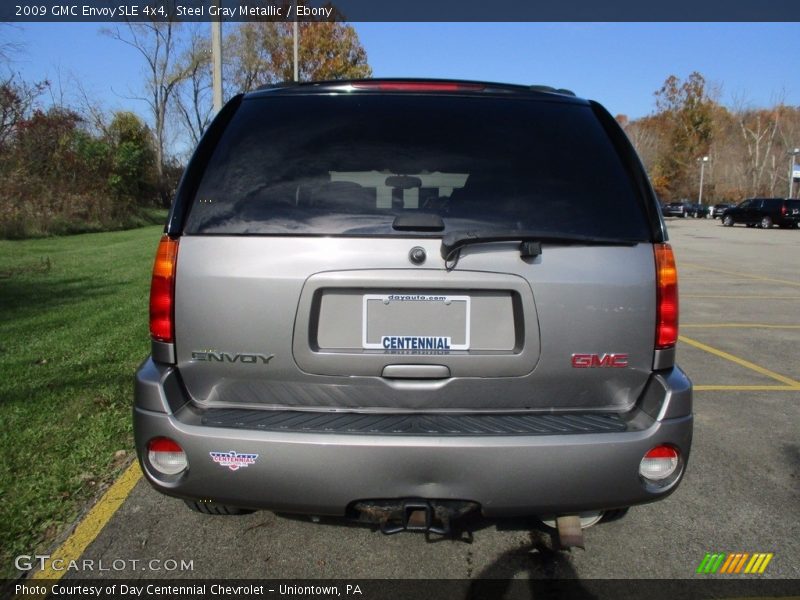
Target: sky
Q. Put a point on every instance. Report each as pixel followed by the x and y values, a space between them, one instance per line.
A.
pixel 619 64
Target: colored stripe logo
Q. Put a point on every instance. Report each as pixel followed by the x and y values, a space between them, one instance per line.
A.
pixel 737 563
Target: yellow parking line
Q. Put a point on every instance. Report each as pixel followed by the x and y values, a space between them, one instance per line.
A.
pixel 740 297
pixel 740 274
pixel 709 278
pixel 742 362
pixel 745 388
pixel 92 524
pixel 736 326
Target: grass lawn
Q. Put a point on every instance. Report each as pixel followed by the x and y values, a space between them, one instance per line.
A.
pixel 73 329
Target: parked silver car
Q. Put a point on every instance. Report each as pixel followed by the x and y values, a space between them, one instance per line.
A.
pixel 404 302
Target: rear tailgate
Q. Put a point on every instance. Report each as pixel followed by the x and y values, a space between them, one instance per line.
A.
pixel 295 287
pixel 293 322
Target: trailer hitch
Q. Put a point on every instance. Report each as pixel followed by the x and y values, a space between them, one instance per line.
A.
pixel 428 516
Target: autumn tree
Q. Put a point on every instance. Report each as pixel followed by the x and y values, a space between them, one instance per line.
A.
pixel 748 145
pixel 328 50
pixel 248 52
pixel 647 136
pixel 686 111
pixel 17 99
pixel 262 53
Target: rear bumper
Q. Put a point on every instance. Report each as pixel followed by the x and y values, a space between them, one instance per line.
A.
pixel 323 473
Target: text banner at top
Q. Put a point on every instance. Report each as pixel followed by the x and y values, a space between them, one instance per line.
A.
pixel 400 10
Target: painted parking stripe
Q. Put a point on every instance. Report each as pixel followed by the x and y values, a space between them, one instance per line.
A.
pixel 706 278
pixel 745 388
pixel 93 523
pixel 736 326
pixel 742 362
pixel 740 274
pixel 740 297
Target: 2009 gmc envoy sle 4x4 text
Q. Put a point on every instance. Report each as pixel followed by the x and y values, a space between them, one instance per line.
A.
pixel 407 301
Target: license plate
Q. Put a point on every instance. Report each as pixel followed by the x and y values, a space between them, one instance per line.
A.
pixel 415 322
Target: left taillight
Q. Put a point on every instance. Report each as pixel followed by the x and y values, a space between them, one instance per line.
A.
pixel 162 291
pixel 659 463
pixel 666 297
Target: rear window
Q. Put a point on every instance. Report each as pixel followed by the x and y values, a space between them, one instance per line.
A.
pixel 349 164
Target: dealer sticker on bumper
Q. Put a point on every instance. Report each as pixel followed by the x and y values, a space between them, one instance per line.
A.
pixel 233 460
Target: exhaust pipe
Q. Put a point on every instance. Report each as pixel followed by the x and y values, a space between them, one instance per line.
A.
pixel 570 532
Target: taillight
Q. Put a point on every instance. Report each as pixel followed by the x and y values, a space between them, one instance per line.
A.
pixel 666 297
pixel 417 86
pixel 166 456
pixel 659 463
pixel 162 291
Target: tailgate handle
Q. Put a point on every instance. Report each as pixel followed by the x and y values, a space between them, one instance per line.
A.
pixel 416 372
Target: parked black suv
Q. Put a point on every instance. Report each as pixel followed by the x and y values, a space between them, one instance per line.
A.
pixel 676 209
pixel 718 209
pixel 764 212
pixel 698 211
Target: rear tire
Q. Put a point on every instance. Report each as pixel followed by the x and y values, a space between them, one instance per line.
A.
pixel 766 223
pixel 727 221
pixel 614 515
pixel 211 508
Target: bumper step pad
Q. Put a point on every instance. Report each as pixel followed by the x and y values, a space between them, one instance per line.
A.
pixel 474 424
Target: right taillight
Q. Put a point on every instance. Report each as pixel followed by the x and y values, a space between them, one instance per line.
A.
pixel 166 456
pixel 162 291
pixel 666 297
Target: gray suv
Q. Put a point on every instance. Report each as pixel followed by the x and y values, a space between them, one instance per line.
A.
pixel 409 301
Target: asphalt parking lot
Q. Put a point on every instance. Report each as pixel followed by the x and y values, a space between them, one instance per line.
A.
pixel 740 330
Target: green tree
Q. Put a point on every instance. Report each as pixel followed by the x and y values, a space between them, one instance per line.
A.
pixel 133 174
pixel 157 43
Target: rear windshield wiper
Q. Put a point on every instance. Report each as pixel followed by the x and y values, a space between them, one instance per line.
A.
pixel 531 245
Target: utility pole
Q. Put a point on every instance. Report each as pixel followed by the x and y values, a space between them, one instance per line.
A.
pixel 792 154
pixel 216 60
pixel 702 162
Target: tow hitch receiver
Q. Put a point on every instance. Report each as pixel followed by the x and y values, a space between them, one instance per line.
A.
pixel 428 516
